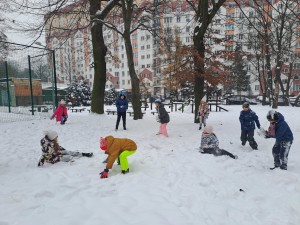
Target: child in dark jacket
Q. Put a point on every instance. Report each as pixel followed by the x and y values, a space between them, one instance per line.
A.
pixel 53 152
pixel 281 131
pixel 163 117
pixel 122 106
pixel 210 144
pixel 248 119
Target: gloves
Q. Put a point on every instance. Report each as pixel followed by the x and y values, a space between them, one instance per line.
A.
pixel 51 118
pixel 104 174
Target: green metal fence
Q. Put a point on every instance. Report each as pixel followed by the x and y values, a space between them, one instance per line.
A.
pixel 28 85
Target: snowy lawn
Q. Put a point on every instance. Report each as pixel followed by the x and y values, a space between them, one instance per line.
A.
pixel 170 182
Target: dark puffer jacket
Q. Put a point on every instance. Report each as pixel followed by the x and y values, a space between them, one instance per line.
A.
pixel 122 104
pixel 162 114
pixel 247 119
pixel 282 130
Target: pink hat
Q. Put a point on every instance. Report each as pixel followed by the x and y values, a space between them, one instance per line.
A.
pixel 208 129
pixel 103 143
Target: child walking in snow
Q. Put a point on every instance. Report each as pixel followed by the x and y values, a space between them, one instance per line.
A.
pixel 53 152
pixel 210 144
pixel 61 113
pixel 203 113
pixel 117 148
pixel 248 119
pixel 163 117
pixel 280 130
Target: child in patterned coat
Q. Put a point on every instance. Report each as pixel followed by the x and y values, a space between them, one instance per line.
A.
pixel 210 144
pixel 203 113
pixel 53 152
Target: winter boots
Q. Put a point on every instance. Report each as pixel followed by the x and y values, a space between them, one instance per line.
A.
pixel 90 154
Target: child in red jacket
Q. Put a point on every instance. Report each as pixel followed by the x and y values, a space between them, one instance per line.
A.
pixel 61 113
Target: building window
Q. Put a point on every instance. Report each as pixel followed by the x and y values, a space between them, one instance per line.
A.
pixel 229 27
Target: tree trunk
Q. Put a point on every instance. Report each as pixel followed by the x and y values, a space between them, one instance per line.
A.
pixel 199 71
pixel 99 53
pixel 135 82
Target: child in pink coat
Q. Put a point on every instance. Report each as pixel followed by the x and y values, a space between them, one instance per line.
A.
pixel 61 113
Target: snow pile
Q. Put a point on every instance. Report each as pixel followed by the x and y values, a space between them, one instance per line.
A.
pixel 170 182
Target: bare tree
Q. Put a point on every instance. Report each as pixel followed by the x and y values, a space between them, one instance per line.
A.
pixel 276 27
pixel 205 10
pixel 134 17
pixel 99 52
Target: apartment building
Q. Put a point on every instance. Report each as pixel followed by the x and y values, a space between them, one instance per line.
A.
pixel 74 53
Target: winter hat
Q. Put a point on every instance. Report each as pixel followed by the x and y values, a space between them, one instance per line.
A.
pixel 51 134
pixel 62 102
pixel 272 115
pixel 157 100
pixel 246 105
pixel 208 129
pixel 103 143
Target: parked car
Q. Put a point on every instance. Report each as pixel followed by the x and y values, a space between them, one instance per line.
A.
pixel 239 100
pixel 281 101
pixel 293 99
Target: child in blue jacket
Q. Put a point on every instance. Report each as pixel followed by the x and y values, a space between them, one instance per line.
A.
pixel 122 106
pixel 248 119
pixel 281 131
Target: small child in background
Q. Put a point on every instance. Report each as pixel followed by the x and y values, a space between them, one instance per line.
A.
pixel 210 144
pixel 203 113
pixel 53 152
pixel 61 113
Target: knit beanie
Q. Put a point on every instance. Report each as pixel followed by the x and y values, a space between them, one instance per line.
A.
pixel 51 134
pixel 208 129
pixel 103 143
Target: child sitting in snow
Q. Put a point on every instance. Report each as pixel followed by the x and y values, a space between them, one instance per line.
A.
pixel 53 152
pixel 210 144
pixel 117 148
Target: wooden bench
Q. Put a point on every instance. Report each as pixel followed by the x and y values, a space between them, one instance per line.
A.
pixel 32 110
pixel 153 112
pixel 78 110
pixel 110 111
pixel 131 113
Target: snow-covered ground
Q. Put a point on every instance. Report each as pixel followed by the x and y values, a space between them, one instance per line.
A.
pixel 170 182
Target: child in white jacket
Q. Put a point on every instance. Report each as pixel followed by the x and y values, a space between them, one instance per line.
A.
pixel 210 144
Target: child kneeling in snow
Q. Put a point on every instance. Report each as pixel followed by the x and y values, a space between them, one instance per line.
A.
pixel 117 148
pixel 53 152
pixel 210 144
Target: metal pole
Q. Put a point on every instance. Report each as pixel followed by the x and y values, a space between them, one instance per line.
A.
pixel 7 84
pixel 55 81
pixel 31 91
